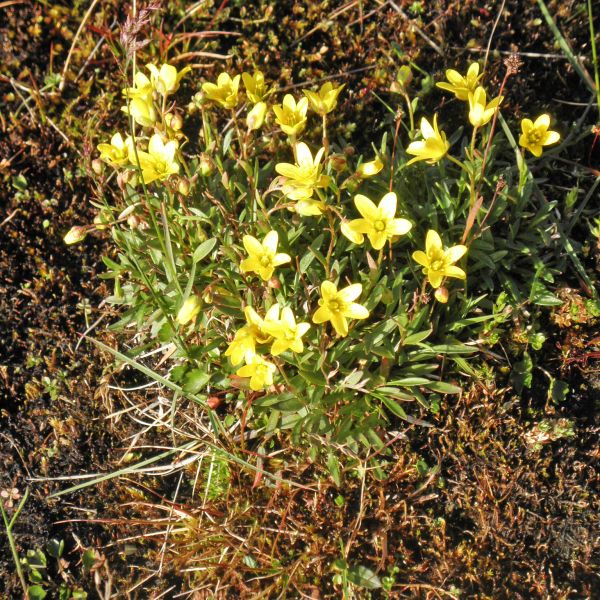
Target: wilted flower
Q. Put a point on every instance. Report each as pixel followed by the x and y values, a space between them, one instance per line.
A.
pixel 433 147
pixel 461 86
pixel 438 262
pixel 536 135
pixel 324 101
pixel 480 112
pixel 378 223
pixel 338 305
pixel 263 257
pixel 291 116
pixel 224 92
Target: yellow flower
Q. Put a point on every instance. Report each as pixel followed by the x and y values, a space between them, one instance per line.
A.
pixel 303 178
pixel 324 101
pixel 166 79
pixel 368 169
pixel 378 223
pixel 116 154
pixel 189 310
pixel 243 345
pixel 437 262
pixel 286 332
pixel 159 162
pixel 256 89
pixel 224 92
pixel 480 112
pixel 433 147
pixel 142 87
pixel 461 86
pixel 141 110
pixel 536 135
pixel 256 116
pixel 337 306
pixel 260 372
pixel 263 257
pixel 291 116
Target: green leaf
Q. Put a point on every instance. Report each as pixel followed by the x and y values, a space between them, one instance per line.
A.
pixel 195 380
pixel 558 391
pixel 204 249
pixel 363 577
pixel 36 592
pixel 444 388
pixel 334 468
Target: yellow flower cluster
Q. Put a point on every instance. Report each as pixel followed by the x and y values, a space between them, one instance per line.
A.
pixel 159 161
pixel 279 329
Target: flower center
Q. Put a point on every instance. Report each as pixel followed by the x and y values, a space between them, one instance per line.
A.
pixel 265 260
pixel 334 305
pixel 379 225
pixel 437 264
pixel 289 335
pixel 534 136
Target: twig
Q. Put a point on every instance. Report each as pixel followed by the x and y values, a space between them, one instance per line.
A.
pixel 87 15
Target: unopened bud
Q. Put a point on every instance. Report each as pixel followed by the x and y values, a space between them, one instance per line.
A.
pixel 256 116
pixel 133 221
pixel 174 121
pixel 404 76
pixel 441 294
pixel 102 219
pixel 205 165
pixel 338 162
pixel 368 169
pixel 213 402
pixel 183 187
pixel 189 310
pixel 97 166
pixel 274 283
pixel 75 235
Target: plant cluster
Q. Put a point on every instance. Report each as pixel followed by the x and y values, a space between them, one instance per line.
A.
pixel 296 281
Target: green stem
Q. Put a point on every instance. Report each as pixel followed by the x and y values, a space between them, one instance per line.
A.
pixel 11 541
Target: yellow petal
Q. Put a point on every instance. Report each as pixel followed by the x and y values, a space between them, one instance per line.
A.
pixel 356 311
pixel 387 206
pixel 420 257
pixel 350 293
pixel 453 271
pixel 365 207
pixel 456 252
pixel 270 241
pixel 321 315
pixel 433 242
pixel 328 290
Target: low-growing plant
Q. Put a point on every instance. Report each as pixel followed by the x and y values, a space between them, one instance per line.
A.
pixel 292 283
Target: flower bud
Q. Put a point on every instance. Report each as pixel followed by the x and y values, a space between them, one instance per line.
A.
pixel 174 121
pixel 369 169
pixel 75 235
pixel 189 310
pixel 183 187
pixel 97 166
pixel 338 162
pixel 213 402
pixel 102 219
pixel 256 116
pixel 205 165
pixel 133 221
pixel 441 294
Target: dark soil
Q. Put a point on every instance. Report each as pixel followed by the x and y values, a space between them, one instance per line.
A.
pixel 510 512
